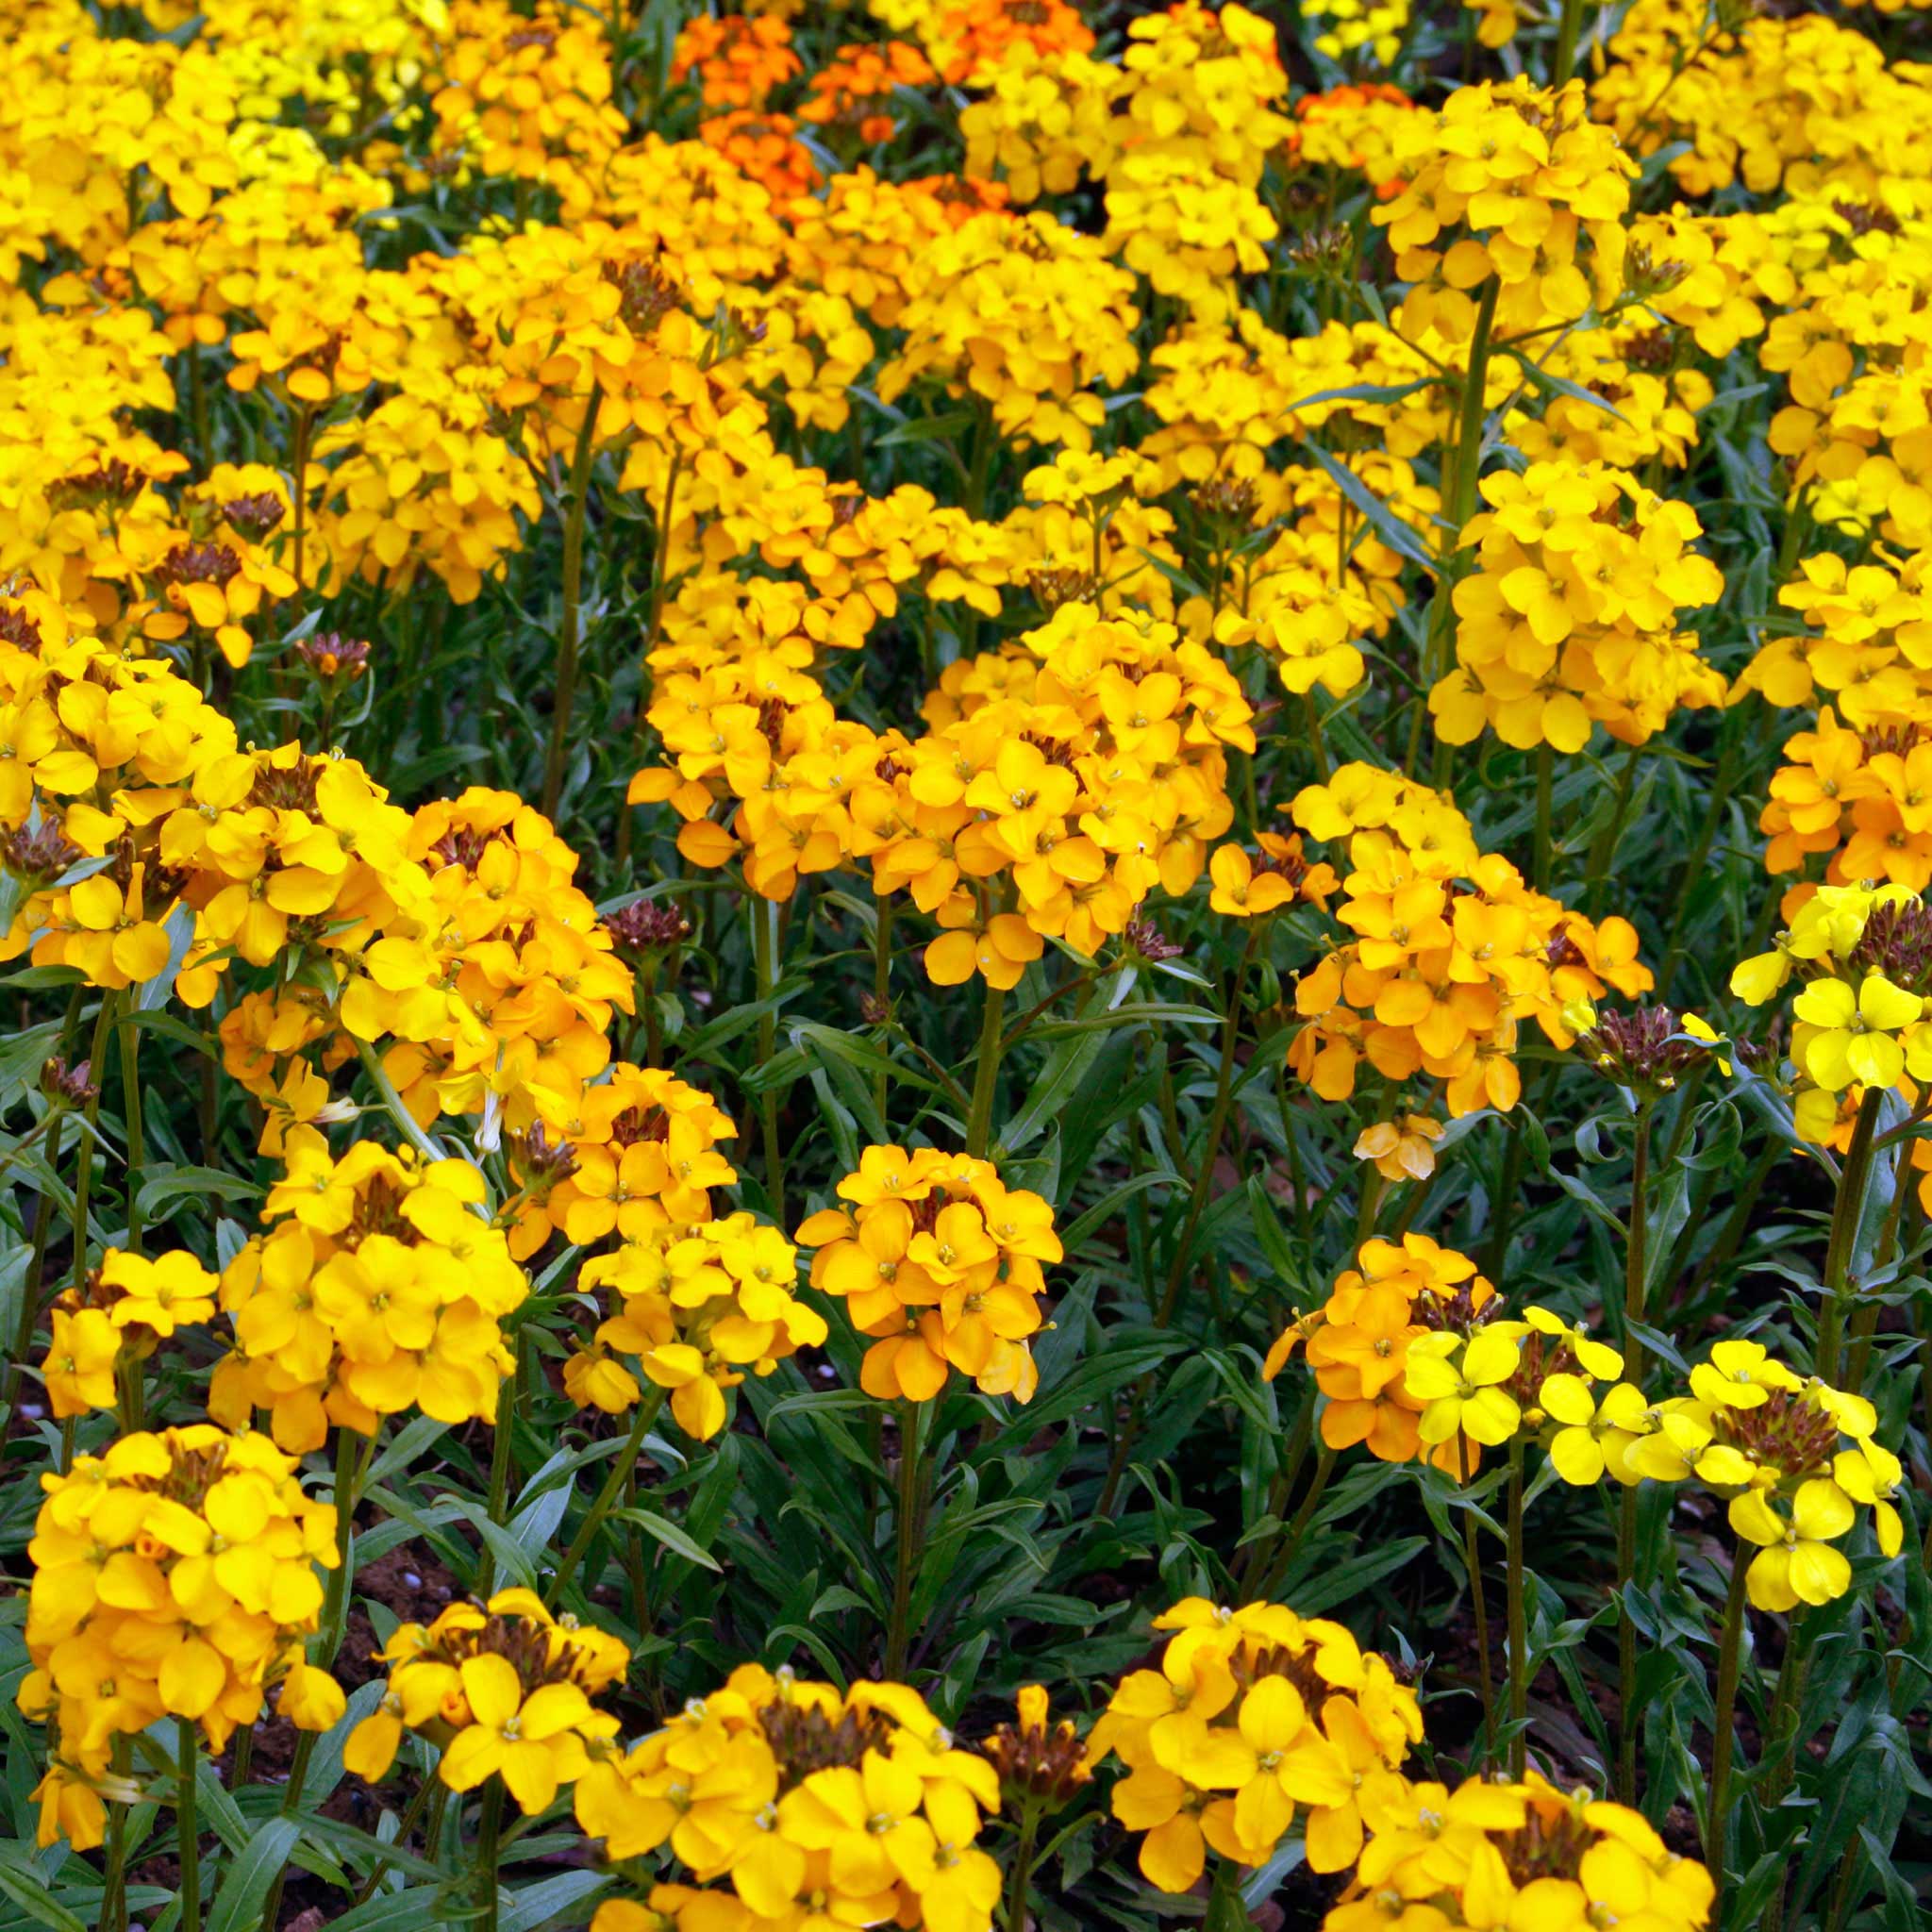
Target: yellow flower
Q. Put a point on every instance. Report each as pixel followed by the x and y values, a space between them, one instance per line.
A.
pixel 79 1366
pixel 530 1741
pixel 1796 1562
pixel 1846 1033
pixel 1403 1150
pixel 1464 1397
pixel 1594 1436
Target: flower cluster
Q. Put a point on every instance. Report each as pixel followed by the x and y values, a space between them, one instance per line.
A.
pixel 174 1575
pixel 1451 951
pixel 1254 1717
pixel 1513 184
pixel 128 1307
pixel 629 1154
pixel 505 1688
pixel 1796 1458
pixel 1519 1853
pixel 1864 956
pixel 380 1287
pixel 700 1304
pixel 785 1801
pixel 1571 618
pixel 939 1263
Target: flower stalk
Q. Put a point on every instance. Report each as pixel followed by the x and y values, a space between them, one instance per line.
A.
pixel 1636 1268
pixel 1848 1209
pixel 1519 1627
pixel 1723 1737
pixel 621 1467
pixel 906 1536
pixel 764 934
pixel 570 628
pixel 187 1825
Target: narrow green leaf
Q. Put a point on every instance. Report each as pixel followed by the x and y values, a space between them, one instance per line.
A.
pixel 245 1884
pixel 669 1535
pixel 24 1889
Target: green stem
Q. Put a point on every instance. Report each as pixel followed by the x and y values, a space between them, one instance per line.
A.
pixel 1023 1866
pixel 660 552
pixel 906 1527
pixel 1519 1626
pixel 1461 495
pixel 1515 1154
pixel 1197 1205
pixel 298 489
pixel 488 1833
pixel 625 1460
pixel 1545 785
pixel 1604 851
pixel 1254 1563
pixel 1217 1126
pixel 1864 1328
pixel 335 1602
pixel 986 1072
pixel 136 1144
pixel 1729 1667
pixel 197 410
pixel 84 1157
pixel 1847 1210
pixel 114 1877
pixel 1473 1563
pixel 1291 1538
pixel 36 1277
pixel 1226 1912
pixel 1636 1246
pixel 882 985
pixel 764 935
pixel 1636 1255
pixel 405 1121
pixel 187 1825
pixel 1786 1702
pixel 1317 749
pixel 500 1446
pixel 1723 791
pixel 1627 1647
pixel 569 628
pixel 409 1822
pixel 1569 30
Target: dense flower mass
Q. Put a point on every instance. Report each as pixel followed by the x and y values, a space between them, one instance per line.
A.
pixel 940 1263
pixel 782 1800
pixel 1018 910
pixel 507 1690
pixel 378 1289
pixel 1253 1713
pixel 176 1573
pixel 1487 1854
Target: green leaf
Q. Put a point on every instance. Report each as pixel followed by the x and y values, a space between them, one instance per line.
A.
pixel 1104 1209
pixel 1368 393
pixel 395 1912
pixel 669 1535
pixel 1151 1014
pixel 25 1889
pixel 164 1184
pixel 1386 524
pixel 1541 379
pixel 245 1884
pixel 536 1905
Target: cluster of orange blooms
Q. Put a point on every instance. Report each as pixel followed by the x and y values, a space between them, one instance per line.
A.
pixel 1450 951
pixel 940 1263
pixel 1358 1343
